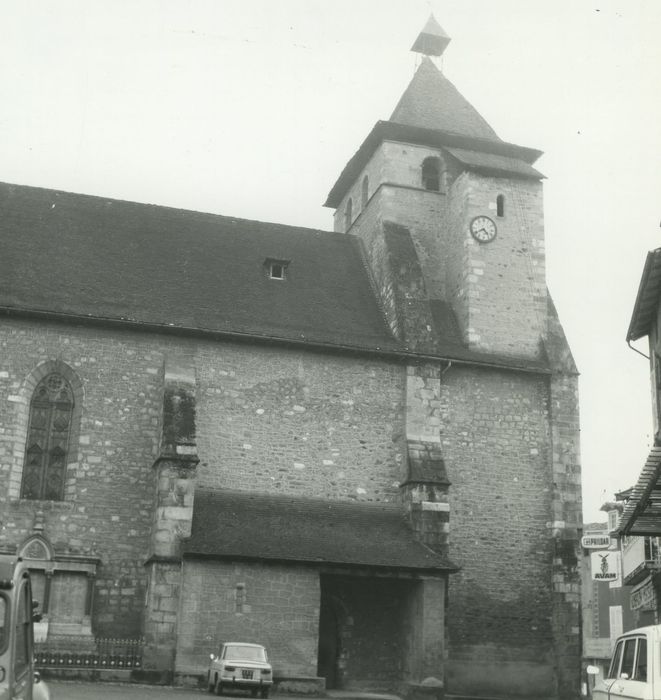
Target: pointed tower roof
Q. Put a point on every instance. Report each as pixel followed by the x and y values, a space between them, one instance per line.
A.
pixel 431 101
pixel 433 113
pixel 432 40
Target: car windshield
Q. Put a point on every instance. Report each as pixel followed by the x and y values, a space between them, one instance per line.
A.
pixel 239 652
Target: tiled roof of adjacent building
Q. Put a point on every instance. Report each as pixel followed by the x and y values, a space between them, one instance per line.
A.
pixel 238 524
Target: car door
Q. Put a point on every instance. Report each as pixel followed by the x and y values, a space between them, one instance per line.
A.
pixel 630 671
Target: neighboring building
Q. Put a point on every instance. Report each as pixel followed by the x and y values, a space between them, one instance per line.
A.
pixel 640 526
pixel 359 447
pixel 606 600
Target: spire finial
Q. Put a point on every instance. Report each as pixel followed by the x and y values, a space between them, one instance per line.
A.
pixel 432 40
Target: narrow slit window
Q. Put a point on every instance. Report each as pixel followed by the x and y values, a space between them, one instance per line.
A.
pixel 500 205
pixel 348 215
pixel 365 192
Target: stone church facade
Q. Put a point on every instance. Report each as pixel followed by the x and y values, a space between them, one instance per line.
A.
pixel 358 447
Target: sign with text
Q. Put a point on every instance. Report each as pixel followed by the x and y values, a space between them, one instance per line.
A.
pixel 605 566
pixel 595 540
pixel 643 597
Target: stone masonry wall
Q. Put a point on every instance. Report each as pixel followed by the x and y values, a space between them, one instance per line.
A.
pixel 499 288
pixel 107 509
pixel 273 605
pixel 396 195
pixel 300 423
pixel 268 419
pixel 495 439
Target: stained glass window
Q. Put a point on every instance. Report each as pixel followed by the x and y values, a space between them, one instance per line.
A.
pixel 44 469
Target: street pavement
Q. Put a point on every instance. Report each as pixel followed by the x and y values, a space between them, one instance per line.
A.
pixel 73 690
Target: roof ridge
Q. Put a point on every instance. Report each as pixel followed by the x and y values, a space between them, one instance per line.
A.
pixel 169 208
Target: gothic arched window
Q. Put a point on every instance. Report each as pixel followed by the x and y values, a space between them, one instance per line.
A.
pixel 348 215
pixel 431 174
pixel 365 191
pixel 49 429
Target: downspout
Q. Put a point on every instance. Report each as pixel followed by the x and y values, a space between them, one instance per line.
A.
pixel 631 347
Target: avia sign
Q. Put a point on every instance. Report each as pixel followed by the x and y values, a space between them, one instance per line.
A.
pixel 595 540
pixel 605 566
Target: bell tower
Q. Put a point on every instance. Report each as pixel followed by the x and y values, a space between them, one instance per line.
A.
pixel 467 208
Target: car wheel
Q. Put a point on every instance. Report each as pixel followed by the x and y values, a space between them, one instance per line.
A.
pixel 254 691
pixel 265 692
pixel 219 688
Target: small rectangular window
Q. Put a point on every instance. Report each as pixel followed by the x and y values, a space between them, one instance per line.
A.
pixel 613 519
pixel 276 268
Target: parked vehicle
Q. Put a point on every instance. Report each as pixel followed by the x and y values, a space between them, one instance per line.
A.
pixel 240 665
pixel 635 667
pixel 18 679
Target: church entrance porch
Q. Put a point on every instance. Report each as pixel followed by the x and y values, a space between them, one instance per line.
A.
pixel 372 631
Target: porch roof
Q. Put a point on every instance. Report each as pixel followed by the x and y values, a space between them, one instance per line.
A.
pixel 642 513
pixel 246 525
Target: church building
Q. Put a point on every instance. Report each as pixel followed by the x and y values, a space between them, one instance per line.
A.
pixel 357 447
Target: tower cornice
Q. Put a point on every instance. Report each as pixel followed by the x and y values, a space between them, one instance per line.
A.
pixel 435 138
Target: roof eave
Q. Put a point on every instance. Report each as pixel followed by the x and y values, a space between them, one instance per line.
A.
pixel 634 515
pixel 447 568
pixel 393 353
pixel 647 297
pixel 392 131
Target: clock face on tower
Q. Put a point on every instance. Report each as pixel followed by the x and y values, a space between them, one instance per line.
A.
pixel 483 229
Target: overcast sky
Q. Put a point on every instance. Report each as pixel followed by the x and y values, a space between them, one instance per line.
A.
pixel 251 108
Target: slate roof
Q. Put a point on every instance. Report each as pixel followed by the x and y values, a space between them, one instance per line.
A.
pixel 431 101
pixel 90 256
pixel 494 163
pixel 246 525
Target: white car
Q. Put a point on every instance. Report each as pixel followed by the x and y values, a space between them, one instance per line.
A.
pixel 240 665
pixel 635 667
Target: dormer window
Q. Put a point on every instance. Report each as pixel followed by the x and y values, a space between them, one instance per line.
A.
pixel 276 269
pixel 431 174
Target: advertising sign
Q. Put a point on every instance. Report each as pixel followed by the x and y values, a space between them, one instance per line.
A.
pixel 605 566
pixel 642 597
pixel 595 540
